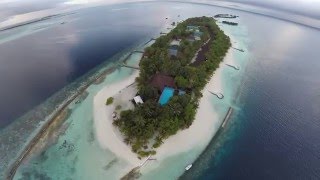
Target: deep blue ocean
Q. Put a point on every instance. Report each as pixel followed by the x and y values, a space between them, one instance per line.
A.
pixel 35 66
pixel 272 134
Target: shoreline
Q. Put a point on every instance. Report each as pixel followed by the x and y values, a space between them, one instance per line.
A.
pixel 229 111
pixel 102 73
pixel 35 140
pixel 106 134
pixel 206 125
pixel 102 114
pixel 27 150
pixel 207 121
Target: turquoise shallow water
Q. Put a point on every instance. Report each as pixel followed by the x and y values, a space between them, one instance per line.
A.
pixel 76 154
pixel 272 133
pixel 275 128
pixel 231 83
pixel 173 166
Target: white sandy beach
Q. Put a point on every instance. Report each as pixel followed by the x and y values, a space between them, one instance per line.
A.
pixel 107 134
pixel 203 127
pixel 200 132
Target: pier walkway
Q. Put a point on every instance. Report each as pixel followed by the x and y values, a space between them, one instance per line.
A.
pixel 219 96
pixel 234 67
pixel 241 50
pixel 128 66
pixel 152 39
pixel 227 117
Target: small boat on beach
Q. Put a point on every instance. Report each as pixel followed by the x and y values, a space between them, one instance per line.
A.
pixel 188 167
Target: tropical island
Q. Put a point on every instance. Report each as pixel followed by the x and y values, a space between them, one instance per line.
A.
pixel 173 72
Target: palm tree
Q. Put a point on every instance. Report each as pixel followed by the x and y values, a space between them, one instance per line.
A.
pixel 140 121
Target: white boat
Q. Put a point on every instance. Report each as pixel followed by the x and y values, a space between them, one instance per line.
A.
pixel 188 167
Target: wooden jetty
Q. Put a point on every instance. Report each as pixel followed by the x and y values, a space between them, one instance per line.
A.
pixel 129 55
pixel 128 66
pixel 219 96
pixel 137 51
pixel 145 161
pixel 241 50
pixel 152 39
pixel 234 67
pixel 29 147
pixel 227 117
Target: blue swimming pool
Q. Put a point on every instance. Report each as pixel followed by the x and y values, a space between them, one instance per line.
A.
pixel 167 93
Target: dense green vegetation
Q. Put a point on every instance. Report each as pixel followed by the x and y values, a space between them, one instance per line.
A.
pixel 149 123
pixel 109 101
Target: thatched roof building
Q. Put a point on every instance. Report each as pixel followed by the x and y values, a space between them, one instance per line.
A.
pixel 160 81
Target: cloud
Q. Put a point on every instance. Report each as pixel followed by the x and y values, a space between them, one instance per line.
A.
pixel 309 8
pixel 96 1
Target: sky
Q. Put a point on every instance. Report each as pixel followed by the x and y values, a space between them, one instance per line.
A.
pixel 309 8
pixel 12 8
pixel 15 7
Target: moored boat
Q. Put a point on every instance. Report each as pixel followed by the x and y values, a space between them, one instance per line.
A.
pixel 188 167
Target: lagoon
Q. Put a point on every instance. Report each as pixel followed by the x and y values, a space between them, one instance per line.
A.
pixel 275 97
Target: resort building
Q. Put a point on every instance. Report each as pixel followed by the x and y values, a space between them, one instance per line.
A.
pixel 168 93
pixel 192 28
pixel 174 46
pixel 160 81
pixel 166 86
pixel 196 35
pixel 173 50
pixel 175 42
pixel 138 100
pixel 191 38
pixel 181 92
